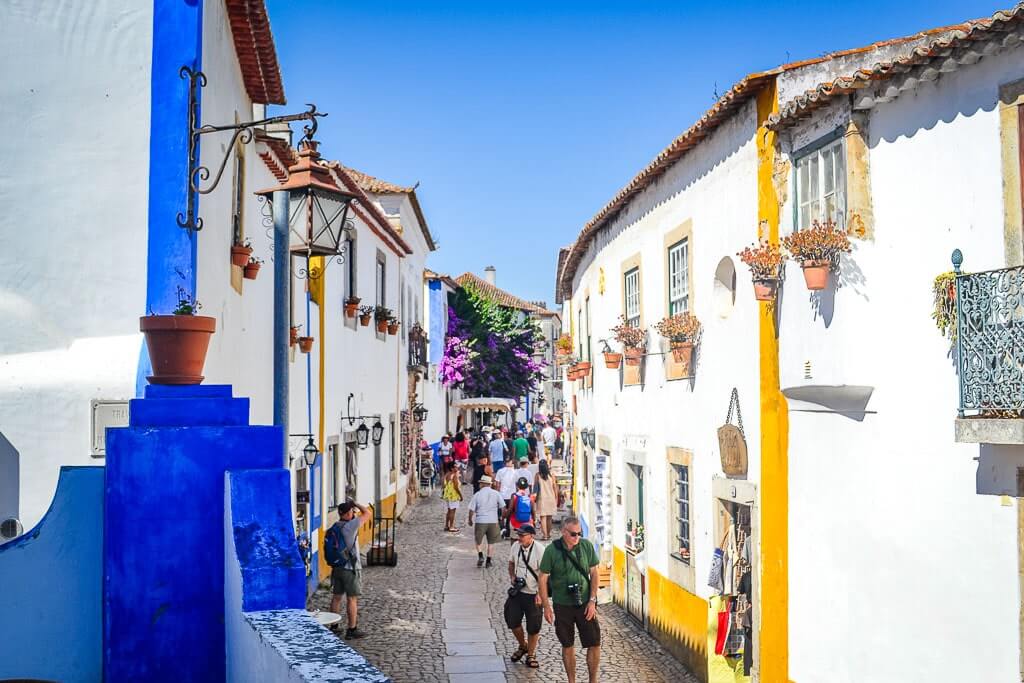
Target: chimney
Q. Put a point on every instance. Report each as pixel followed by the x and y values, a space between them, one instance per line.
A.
pixel 489 275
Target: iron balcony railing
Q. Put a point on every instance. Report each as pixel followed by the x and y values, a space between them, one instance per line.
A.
pixel 989 338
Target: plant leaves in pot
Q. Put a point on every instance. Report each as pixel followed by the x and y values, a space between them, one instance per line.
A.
pixel 178 343
pixel 351 307
pixel 818 249
pixel 240 254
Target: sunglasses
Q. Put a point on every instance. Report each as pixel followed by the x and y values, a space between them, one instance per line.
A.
pixel 574 534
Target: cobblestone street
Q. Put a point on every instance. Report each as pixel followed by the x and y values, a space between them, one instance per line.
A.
pixel 432 619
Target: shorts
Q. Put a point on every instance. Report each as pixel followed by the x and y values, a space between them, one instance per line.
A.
pixel 453 505
pixel 488 529
pixel 523 605
pixel 568 619
pixel 346 582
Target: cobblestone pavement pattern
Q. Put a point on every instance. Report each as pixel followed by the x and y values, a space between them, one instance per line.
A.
pixel 436 618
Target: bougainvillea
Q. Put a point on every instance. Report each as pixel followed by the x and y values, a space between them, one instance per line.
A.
pixel 490 350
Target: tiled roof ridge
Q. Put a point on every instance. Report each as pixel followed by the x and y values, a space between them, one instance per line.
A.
pixel 496 294
pixel 254 47
pixel 375 185
pixel 970 32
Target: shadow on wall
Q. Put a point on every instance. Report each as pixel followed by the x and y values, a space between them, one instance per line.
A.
pixel 51 579
pixel 848 275
pixel 9 485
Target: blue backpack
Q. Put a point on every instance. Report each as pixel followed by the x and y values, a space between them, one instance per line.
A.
pixel 524 508
pixel 334 547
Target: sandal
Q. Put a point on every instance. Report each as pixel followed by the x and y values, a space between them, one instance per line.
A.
pixel 532 662
pixel 518 654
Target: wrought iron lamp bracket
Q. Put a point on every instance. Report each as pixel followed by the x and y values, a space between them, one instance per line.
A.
pixel 240 132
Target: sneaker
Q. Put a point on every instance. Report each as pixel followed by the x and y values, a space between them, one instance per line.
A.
pixel 353 633
pixel 489 562
pixel 480 562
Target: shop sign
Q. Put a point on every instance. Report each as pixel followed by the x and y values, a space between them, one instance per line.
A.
pixel 731 443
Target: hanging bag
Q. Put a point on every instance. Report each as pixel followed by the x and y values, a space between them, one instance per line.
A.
pixel 716 577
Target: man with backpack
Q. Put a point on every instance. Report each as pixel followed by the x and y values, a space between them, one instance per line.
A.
pixel 522 506
pixel 568 573
pixel 341 552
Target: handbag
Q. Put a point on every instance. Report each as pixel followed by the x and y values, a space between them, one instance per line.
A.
pixel 724 624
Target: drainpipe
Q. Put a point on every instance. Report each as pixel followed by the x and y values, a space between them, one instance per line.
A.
pixel 282 292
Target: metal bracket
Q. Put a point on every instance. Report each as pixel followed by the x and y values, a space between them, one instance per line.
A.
pixel 240 132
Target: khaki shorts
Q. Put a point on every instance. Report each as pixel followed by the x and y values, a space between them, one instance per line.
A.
pixel 488 529
pixel 346 582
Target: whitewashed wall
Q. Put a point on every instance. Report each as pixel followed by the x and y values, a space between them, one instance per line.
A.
pixel 74 102
pixel 898 570
pixel 714 188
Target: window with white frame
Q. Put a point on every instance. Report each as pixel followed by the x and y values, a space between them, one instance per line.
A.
pixel 349 268
pixel 681 510
pixel 679 277
pixel 631 287
pixel 332 474
pixel 821 185
pixel 381 279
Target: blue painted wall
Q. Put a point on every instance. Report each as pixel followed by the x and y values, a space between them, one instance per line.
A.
pixel 50 579
pixel 438 321
pixel 171 251
pixel 163 562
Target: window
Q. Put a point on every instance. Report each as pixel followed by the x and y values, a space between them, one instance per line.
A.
pixel 332 475
pixel 239 196
pixel 678 277
pixel 381 279
pixel 632 296
pixel 681 488
pixel 586 308
pixel 349 266
pixel 821 185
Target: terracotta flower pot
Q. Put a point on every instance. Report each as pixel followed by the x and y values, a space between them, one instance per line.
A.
pixel 393 329
pixel 293 336
pixel 364 320
pixel 682 353
pixel 816 273
pixel 351 308
pixel 612 361
pixel 240 255
pixel 583 367
pixel 765 290
pixel 382 326
pixel 177 346
pixel 305 344
pixel 634 356
pixel 250 271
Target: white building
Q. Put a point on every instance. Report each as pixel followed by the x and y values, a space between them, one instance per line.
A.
pixel 854 493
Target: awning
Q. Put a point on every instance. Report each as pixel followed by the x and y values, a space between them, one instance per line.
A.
pixel 485 403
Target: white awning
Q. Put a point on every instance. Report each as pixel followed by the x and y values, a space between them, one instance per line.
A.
pixel 485 403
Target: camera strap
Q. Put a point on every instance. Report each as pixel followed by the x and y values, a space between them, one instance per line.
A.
pixel 526 561
pixel 586 577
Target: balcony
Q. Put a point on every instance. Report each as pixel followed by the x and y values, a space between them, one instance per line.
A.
pixel 989 355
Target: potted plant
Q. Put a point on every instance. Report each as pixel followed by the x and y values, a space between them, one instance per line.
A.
pixel 765 261
pixel 252 268
pixel 382 316
pixel 393 326
pixel 293 335
pixel 365 313
pixel 817 249
pixel 682 331
pixel 563 349
pixel 612 360
pixel 178 342
pixel 305 344
pixel 352 306
pixel 632 340
pixel 240 253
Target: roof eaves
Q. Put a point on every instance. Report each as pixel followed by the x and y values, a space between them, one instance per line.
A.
pixel 254 48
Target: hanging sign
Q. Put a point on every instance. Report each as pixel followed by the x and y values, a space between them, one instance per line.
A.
pixel 731 442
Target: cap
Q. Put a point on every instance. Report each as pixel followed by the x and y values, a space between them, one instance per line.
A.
pixel 523 458
pixel 526 529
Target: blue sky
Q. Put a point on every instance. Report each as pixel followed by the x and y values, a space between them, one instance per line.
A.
pixel 522 119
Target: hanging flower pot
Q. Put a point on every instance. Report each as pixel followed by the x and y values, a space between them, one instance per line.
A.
pixel 612 361
pixel 252 269
pixel 816 273
pixel 682 353
pixel 364 319
pixel 393 327
pixel 634 355
pixel 765 290
pixel 382 326
pixel 351 307
pixel 383 317
pixel 305 344
pixel 293 336
pixel 583 367
pixel 178 343
pixel 240 254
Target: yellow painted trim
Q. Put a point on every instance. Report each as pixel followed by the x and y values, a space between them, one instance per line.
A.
pixel 773 634
pixel 678 619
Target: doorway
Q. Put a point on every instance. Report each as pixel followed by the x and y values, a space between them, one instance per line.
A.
pixel 636 579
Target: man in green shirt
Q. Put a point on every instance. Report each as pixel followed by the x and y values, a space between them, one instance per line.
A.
pixel 568 573
pixel 521 445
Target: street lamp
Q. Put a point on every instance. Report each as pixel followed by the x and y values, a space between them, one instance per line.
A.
pixel 362 435
pixel 419 413
pixel 310 452
pixel 378 433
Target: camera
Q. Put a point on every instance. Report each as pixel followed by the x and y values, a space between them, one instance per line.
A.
pixel 516 586
pixel 576 591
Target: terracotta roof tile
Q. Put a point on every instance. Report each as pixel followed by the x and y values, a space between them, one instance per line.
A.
pixel 377 186
pixel 952 47
pixel 254 46
pixel 499 296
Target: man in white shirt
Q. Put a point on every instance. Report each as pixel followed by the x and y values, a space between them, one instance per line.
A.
pixel 548 436
pixel 523 599
pixel 485 509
